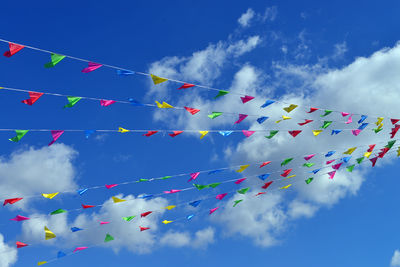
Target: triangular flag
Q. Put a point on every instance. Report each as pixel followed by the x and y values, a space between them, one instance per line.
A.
pixel 76 229
pixel 48 234
pixel 350 168
pixel 350 150
pixel 337 166
pixel 11 200
pixel 336 132
pixel 61 254
pixel 150 133
pixel 312 110
pixel 309 180
pixel 246 98
pixel 247 133
pixel 266 185
pixel 262 119
pixel 214 115
pixel 243 190
pixel 108 238
pixel 122 130
pixel 394 121
pixel 200 186
pixel 330 153
pixel 331 174
pixel 143 228
pixel 294 133
pixel 213 210
pixel 238 181
pixel 316 132
pixel 241 118
pixel 214 185
pixel 260 193
pixel 344 114
pixel 272 133
pixel 309 157
pixel 267 103
pixel 57 211
pixel 79 249
pixel 326 124
pixel 157 80
pixel 91 67
pixel 87 206
pixel 373 160
pixel 290 108
pixel 286 186
pixel 20 134
pixel 13 49
pixel 33 97
pixel 166 222
pixel 327 112
pixel 55 59
pixel 286 161
pixel 175 133
pixel 50 196
pixel 330 161
pixel 305 122
pixel 192 110
pixel 117 200
pixel 349 120
pixel 308 164
pixel 186 85
pixel 203 133
pixel 359 160
pixel 55 134
pixel 170 207
pixel 125 72
pixel 363 117
pixel 221 93
pixel 237 202
pixel 106 103
pixel 172 191
pixel 286 172
pixel 264 164
pixel 242 168
pixel 356 132
pixel 128 218
pixel 109 186
pixel 101 222
pixel 19 218
pixel 221 196
pixel 20 244
pixel 225 133
pixel 41 263
pixel 72 101
pixel 264 176
pixel 195 203
pixel 144 214
pixel 193 176
pixel 163 105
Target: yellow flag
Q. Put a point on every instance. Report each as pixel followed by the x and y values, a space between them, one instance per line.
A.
pixel 379 121
pixel 203 133
pixel 380 126
pixel 170 207
pixel 122 130
pixel 50 196
pixel 367 154
pixel 166 222
pixel 278 121
pixel 41 263
pixel 286 186
pixel 350 150
pixel 117 200
pixel 286 117
pixel 398 152
pixel 290 108
pixel 163 105
pixel 291 176
pixel 157 80
pixel 242 168
pixel 316 132
pixel 48 234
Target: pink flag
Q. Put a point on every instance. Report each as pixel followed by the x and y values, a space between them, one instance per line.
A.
pixel 337 166
pixel 106 103
pixel 56 134
pixel 213 210
pixel 349 120
pixel 20 244
pixel 331 174
pixel 238 181
pixel 309 157
pixel 175 133
pixel 79 249
pixel 356 132
pixel 101 222
pixel 241 117
pixel 172 191
pixel 108 186
pixel 19 218
pixel 330 161
pixel 305 122
pixel 265 163
pixel 344 114
pixel 248 133
pixel 193 176
pixel 221 196
pixel 246 98
pixel 294 133
pixel 373 160
pixel 91 67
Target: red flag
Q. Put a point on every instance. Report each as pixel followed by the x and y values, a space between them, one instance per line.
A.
pixel 312 110
pixel 143 228
pixel 88 206
pixel 266 185
pixel 186 85
pixel 286 172
pixel 192 110
pixel 150 133
pixel 11 200
pixel 34 96
pixel 265 163
pixel 20 244
pixel 395 130
pixel 305 122
pixel 175 133
pixel 14 48
pixel 294 133
pixel 261 193
pixel 337 166
pixel 144 214
pixel 383 152
pixel 373 160
pixel 394 121
pixel 371 147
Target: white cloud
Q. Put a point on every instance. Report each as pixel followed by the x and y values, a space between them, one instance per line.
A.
pixel 8 254
pixel 245 18
pixel 201 238
pixel 270 13
pixel 395 259
pixel 340 50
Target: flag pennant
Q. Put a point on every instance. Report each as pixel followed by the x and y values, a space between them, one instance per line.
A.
pixel 195 203
pixel 221 93
pixel 225 133
pixel 398 152
pixel 326 124
pixel 122 130
pixel 186 85
pixel 172 191
pixel 163 105
pixel 215 171
pixel 294 133
pixel 337 166
pixel 242 168
pixel 346 159
pixel 246 98
pixel 264 176
pixel 290 108
pixel 76 229
pixel 243 190
pixel 264 164
pixel 367 154
pixel 109 186
pixel 190 216
pixel 371 148
pixel 344 114
pixel 330 161
pixel 241 118
pixel 349 120
pixel 48 234
pixel 144 214
pixel 350 168
pixel 394 130
pixel 309 156
pixel 238 181
pixel 117 200
pixel 19 218
pixel 312 110
pixel 200 186
pixel 175 133
pixel 20 134
pixel 193 176
pixel 135 102
pixel 61 254
pixel 373 160
pixel 260 193
pixel 359 160
pixel 87 206
pixel 363 118
pixel 272 133
pixel 262 119
pixel 331 174
pixel 20 244
pixel 327 112
pixel 214 114
pixel 41 263
pixel 248 133
pixel 237 202
pixel 309 180
pixel 33 97
pixel 128 218
pixel 50 196
pixel 267 103
pixel 101 222
pixel 13 49
pixel 221 196
pixel 55 59
pixel 55 134
pixel 362 126
pixel 166 222
pixel 170 207
pixel 125 72
pixel 394 121
pixel 58 211
pixel 315 171
pixel 305 122
pixel 390 144
pixel 91 67
pixel 150 133
pixel 108 238
pixel 330 153
pixel 192 110
pixel 157 80
pixel 79 249
pixel 316 132
pixel 11 200
pixel 383 152
pixel 213 210
pixel 266 185
pixel 308 164
pixel 203 133
pixel 72 101
pixel 286 161
pixel 350 150
pixel 106 103
pixel 377 130
pixel 379 121
pixel 336 132
pixel 214 185
pixel 286 172
pixel 356 132
pixel 286 186
pixel 143 228
pixel 88 133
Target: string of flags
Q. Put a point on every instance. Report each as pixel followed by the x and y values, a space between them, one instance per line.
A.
pixel 56 58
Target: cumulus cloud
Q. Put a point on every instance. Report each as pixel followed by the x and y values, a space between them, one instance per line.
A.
pixel 9 254
pixel 245 18
pixel 201 239
pixel 395 259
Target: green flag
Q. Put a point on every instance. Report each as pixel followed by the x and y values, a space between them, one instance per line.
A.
pixel 55 58
pixel 359 160
pixel 143 180
pixel 214 115
pixel 221 93
pixel 308 164
pixel 272 134
pixel 72 101
pixel 390 144
pixel 129 218
pixel 237 202
pixel 58 211
pixel 309 180
pixel 377 130
pixel 326 124
pixel 327 112
pixel 286 161
pixel 199 186
pixel 214 185
pixel 108 238
pixel 20 134
pixel 166 177
pixel 243 190
pixel 350 168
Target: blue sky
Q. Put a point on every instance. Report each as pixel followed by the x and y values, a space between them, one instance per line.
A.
pixel 340 55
